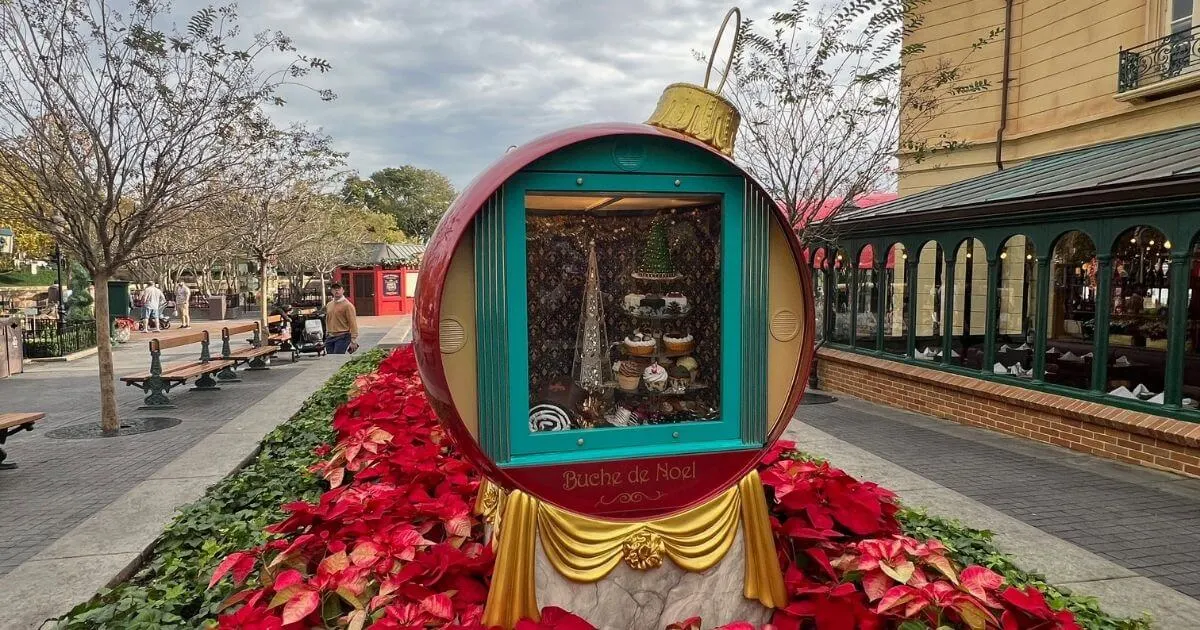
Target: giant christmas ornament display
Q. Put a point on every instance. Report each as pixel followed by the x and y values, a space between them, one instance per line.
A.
pixel 614 322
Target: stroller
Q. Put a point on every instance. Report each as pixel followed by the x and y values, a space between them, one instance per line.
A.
pixel 308 335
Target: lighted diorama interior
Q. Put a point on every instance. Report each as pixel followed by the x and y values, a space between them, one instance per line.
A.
pixel 624 307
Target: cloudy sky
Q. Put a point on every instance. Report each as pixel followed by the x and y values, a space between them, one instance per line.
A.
pixel 450 84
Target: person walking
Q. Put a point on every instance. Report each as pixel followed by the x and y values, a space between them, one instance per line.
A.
pixel 341 323
pixel 153 300
pixel 182 294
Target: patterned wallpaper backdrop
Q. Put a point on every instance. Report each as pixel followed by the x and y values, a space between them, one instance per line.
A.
pixel 557 248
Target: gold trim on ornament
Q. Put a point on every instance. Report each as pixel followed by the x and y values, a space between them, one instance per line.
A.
pixel 643 550
pixel 586 549
pixel 698 113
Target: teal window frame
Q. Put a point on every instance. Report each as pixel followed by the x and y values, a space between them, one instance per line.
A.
pixel 1178 221
pixel 528 448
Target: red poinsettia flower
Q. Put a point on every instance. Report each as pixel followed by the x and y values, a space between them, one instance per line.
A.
pixel 554 618
pixel 1026 609
pixel 394 543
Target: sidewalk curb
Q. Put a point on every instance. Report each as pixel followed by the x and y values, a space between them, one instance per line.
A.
pixel 399 335
pixel 70 357
pixel 112 544
pixel 1121 591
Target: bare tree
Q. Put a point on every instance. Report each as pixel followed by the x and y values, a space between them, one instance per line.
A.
pixel 277 199
pixel 826 107
pixel 155 263
pixel 202 243
pixel 196 243
pixel 344 231
pixel 112 125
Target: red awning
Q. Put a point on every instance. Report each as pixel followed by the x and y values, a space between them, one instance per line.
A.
pixel 865 201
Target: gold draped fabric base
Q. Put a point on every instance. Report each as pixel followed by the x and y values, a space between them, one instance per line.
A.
pixel 586 549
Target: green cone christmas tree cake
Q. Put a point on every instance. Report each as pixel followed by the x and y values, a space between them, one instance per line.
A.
pixel 656 263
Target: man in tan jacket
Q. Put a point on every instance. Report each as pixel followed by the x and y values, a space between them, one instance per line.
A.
pixel 341 323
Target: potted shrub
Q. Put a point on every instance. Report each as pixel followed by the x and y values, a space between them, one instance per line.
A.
pixel 1155 332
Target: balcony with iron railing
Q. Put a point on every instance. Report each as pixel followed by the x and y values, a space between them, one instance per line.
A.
pixel 1164 65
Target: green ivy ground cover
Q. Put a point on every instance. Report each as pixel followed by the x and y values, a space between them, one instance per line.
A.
pixel 971 546
pixel 170 591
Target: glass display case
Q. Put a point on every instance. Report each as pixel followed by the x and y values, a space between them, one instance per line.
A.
pixel 616 319
pixel 624 296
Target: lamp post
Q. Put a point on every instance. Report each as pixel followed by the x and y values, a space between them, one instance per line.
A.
pixel 58 263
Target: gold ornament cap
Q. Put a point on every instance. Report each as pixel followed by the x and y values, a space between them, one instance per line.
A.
pixel 699 112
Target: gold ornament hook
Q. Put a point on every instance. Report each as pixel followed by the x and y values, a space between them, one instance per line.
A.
pixel 737 35
pixel 699 112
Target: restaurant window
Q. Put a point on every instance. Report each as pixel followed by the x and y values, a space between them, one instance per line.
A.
pixel 1016 308
pixel 1072 309
pixel 970 304
pixel 1191 347
pixel 930 271
pixel 867 299
pixel 840 294
pixel 819 264
pixel 1138 320
pixel 895 317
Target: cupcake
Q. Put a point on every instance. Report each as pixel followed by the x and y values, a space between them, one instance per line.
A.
pixel 629 374
pixel 690 364
pixel 640 344
pixel 633 303
pixel 680 377
pixel 678 342
pixel 655 377
pixel 677 303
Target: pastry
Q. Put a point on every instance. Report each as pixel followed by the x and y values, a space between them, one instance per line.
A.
pixel 652 304
pixel 622 417
pixel 633 303
pixel 655 377
pixel 564 393
pixel 690 364
pixel 678 342
pixel 548 418
pixel 680 377
pixel 629 374
pixel 656 261
pixel 640 344
pixel 677 304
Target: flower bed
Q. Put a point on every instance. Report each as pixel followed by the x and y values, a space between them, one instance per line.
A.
pixel 169 591
pixel 392 544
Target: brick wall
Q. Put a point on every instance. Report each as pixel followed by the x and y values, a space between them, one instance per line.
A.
pixel 1129 436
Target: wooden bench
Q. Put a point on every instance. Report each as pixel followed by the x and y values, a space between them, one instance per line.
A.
pixel 256 355
pixel 160 379
pixel 11 423
pixel 280 338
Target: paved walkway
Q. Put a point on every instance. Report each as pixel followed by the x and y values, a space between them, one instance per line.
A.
pixel 61 482
pixel 1135 521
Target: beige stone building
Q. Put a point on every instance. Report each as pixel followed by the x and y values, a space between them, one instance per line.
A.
pixel 1045 280
pixel 1066 87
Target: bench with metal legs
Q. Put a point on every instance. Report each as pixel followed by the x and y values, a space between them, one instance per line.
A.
pixel 159 380
pixel 256 355
pixel 10 424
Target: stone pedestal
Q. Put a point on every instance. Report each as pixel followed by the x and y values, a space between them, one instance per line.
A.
pixel 628 598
